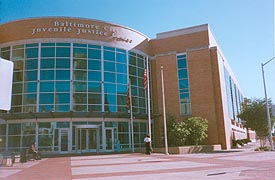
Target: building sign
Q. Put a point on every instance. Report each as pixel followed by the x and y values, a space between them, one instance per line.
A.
pixel 6 74
pixel 80 28
pixel 73 30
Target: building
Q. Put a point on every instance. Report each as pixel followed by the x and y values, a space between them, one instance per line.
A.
pixel 71 78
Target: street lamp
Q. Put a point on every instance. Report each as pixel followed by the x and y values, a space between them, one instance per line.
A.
pixel 267 108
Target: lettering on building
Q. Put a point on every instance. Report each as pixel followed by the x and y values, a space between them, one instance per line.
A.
pixel 81 29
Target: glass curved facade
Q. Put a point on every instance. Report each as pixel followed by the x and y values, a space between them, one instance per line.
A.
pixel 64 77
pixel 74 77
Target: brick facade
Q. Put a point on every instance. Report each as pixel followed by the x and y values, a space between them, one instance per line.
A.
pixel 206 83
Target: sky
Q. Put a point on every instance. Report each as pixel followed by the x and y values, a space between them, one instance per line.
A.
pixel 244 29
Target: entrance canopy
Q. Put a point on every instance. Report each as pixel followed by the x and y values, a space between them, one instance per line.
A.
pixel 88 126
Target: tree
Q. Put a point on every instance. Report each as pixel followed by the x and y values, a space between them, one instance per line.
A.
pixel 254 116
pixel 191 131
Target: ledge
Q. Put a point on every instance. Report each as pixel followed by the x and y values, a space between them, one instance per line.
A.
pixel 189 149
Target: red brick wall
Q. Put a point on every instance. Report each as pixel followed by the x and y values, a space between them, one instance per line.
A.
pixel 204 84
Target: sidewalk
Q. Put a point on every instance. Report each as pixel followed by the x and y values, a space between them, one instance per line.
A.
pixel 227 165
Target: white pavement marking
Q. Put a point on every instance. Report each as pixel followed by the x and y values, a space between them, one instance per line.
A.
pixel 224 174
pixel 89 161
pixel 150 166
pixel 99 157
pixel 8 171
pixel 257 156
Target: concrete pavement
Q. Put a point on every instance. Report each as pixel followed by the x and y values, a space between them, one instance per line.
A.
pixel 244 164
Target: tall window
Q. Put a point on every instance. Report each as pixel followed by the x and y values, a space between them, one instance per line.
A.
pixel 234 97
pixel 229 93
pixel 184 93
pixel 136 71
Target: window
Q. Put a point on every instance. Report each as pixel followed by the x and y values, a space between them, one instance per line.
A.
pixel 30 99
pixel 30 75
pixel 94 54
pixel 62 52
pixel 94 98
pixel 62 63
pixel 80 53
pixel 17 88
pixel 48 52
pixel 98 76
pixel 47 86
pixel 31 64
pixel 122 78
pixel 109 66
pixel 94 65
pixel 46 75
pixel 62 75
pixel 47 63
pixel 121 68
pixel 18 54
pixel 31 53
pixel 94 87
pixel 80 64
pixel 30 87
pixel 94 76
pixel 80 86
pixel 109 55
pixel 121 58
pixel 184 94
pixel 80 75
pixel 62 86
pixel 62 98
pixel 46 98
pixel 109 77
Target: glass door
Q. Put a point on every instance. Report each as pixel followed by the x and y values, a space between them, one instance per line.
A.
pixel 91 140
pixel 87 139
pixel 109 139
pixel 63 140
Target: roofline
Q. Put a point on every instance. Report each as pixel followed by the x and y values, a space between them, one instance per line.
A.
pixel 183 31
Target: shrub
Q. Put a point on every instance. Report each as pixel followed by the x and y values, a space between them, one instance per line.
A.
pixel 240 142
pixel 191 131
pixel 263 148
pixel 234 143
pixel 197 128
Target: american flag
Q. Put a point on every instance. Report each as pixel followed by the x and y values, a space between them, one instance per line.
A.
pixel 145 79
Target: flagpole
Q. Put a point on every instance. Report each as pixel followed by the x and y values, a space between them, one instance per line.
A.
pixel 148 97
pixel 131 114
pixel 164 113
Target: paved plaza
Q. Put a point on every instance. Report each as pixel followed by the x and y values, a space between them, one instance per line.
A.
pixel 225 165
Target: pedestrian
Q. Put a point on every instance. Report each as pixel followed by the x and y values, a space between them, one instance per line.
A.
pixel 35 154
pixel 147 141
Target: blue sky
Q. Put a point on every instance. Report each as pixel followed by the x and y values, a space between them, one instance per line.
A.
pixel 244 29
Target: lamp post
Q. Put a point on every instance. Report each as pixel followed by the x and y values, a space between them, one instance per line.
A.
pixel 267 108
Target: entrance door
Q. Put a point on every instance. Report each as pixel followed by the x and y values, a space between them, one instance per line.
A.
pixel 87 139
pixel 109 139
pixel 63 140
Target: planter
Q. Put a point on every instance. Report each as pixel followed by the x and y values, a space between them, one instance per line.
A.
pixel 189 149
